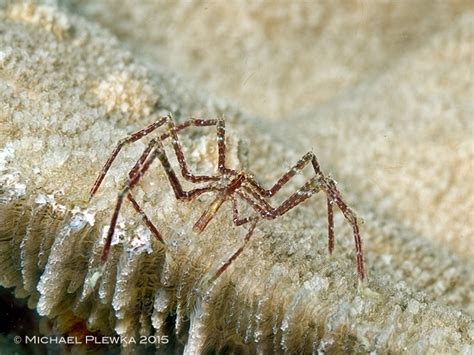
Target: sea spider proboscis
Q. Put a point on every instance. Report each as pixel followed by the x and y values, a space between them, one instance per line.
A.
pixel 228 185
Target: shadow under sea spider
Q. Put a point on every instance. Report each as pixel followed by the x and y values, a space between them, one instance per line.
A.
pixel 227 184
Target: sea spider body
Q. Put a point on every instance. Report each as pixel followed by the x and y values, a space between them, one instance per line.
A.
pixel 227 185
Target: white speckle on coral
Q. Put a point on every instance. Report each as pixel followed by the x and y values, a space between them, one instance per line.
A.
pixel 42 199
pixel 77 222
pixel 41 15
pixel 9 178
pixel 387 259
pixel 141 242
pixel 316 284
pixel 5 55
pixel 413 307
pixel 96 275
pixel 87 215
pixel 5 155
pixel 126 94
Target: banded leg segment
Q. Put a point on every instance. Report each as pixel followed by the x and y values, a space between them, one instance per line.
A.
pixel 236 254
pixel 235 215
pixel 221 147
pixel 260 205
pixel 317 183
pixel 131 183
pixel 333 194
pixel 173 133
pixel 330 226
pixel 150 154
pixel 130 139
pixel 238 222
pixel 174 181
pixel 176 145
pixel 145 218
pixel 295 169
pixel 351 217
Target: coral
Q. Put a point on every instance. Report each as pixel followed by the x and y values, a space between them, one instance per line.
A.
pixel 67 100
pixel 275 59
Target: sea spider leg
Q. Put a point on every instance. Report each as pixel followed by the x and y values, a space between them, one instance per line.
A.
pixel 236 254
pixel 295 169
pixel 145 218
pixel 127 140
pixel 156 152
pixel 300 165
pixel 330 225
pixel 172 132
pixel 330 187
pixel 221 147
pixel 131 182
pixel 132 200
pixel 332 195
pixel 134 172
pixel 313 186
pixel 235 215
pixel 238 222
pixel 173 129
pixel 149 129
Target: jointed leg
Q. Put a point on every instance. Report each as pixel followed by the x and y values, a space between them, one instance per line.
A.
pixel 330 226
pixel 148 156
pixel 176 145
pixel 351 217
pixel 238 222
pixel 174 181
pixel 221 146
pixel 317 183
pixel 172 132
pixel 237 253
pixel 145 218
pixel 130 139
pixel 132 181
pixel 235 215
pixel 300 165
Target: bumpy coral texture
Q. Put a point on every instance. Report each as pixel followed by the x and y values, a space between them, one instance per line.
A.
pixel 396 137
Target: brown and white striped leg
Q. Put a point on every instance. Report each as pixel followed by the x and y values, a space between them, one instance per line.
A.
pixel 127 140
pixel 237 253
pixel 221 147
pixel 313 186
pixel 333 194
pixel 238 222
pixel 132 200
pixel 147 130
pixel 145 218
pixel 173 130
pixel 295 169
pixel 131 183
pixel 174 181
pixel 156 152
pixel 330 188
pixel 235 215
pixel 330 225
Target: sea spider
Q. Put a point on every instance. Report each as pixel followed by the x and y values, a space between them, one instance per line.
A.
pixel 228 185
